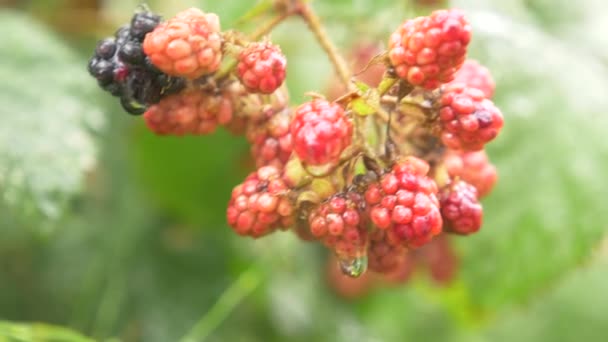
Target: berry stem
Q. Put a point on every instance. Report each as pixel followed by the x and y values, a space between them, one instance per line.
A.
pixel 247 282
pixel 307 13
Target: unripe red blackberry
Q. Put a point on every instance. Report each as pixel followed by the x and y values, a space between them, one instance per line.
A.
pixel 340 225
pixel 122 69
pixel 475 75
pixel 189 112
pixel 320 131
pixel 271 142
pixel 261 67
pixel 260 204
pixel 385 254
pixel 404 203
pixel 188 45
pixel 473 168
pixel 468 120
pixel 427 51
pixel 460 208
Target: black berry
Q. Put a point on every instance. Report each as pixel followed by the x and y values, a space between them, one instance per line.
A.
pixel 122 69
pixel 142 23
pixel 106 48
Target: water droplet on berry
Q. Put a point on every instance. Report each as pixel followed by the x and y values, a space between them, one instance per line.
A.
pixel 353 267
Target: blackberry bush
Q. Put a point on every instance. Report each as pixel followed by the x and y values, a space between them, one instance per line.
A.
pixel 375 174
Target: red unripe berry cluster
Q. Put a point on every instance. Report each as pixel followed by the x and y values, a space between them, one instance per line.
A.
pixel 259 205
pixel 320 131
pixel 460 208
pixel 468 119
pixel 427 51
pixel 271 142
pixel 188 45
pixel 188 112
pixel 340 226
pixel 473 168
pixel 385 256
pixel 405 205
pixel 475 75
pixel 261 67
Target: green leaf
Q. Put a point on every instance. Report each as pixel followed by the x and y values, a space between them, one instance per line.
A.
pixel 575 310
pixel 552 156
pixel 47 120
pixel 30 332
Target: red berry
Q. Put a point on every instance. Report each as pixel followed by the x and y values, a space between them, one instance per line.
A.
pixel 271 142
pixel 259 205
pixel 427 51
pixel 189 112
pixel 461 211
pixel 404 204
pixel 475 75
pixel 340 225
pixel 261 67
pixel 321 131
pixel 468 120
pixel 473 168
pixel 188 45
pixel 383 255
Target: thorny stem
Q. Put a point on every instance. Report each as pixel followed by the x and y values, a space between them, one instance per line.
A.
pixel 314 23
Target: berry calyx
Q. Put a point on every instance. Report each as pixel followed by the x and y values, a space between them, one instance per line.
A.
pixel 474 168
pixel 475 75
pixel 260 205
pixel 188 45
pixel 189 112
pixel 261 67
pixel 461 211
pixel 468 120
pixel 427 51
pixel 404 204
pixel 320 131
pixel 339 224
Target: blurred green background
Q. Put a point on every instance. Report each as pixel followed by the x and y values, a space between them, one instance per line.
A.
pixel 110 232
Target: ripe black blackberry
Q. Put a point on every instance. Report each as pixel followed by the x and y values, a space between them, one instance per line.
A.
pixel 122 69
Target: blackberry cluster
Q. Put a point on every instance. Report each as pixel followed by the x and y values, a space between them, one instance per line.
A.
pixel 122 69
pixel 376 175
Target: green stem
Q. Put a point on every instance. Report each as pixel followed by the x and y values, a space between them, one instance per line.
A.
pixel 232 296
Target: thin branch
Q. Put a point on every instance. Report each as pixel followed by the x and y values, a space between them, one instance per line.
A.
pixel 314 23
